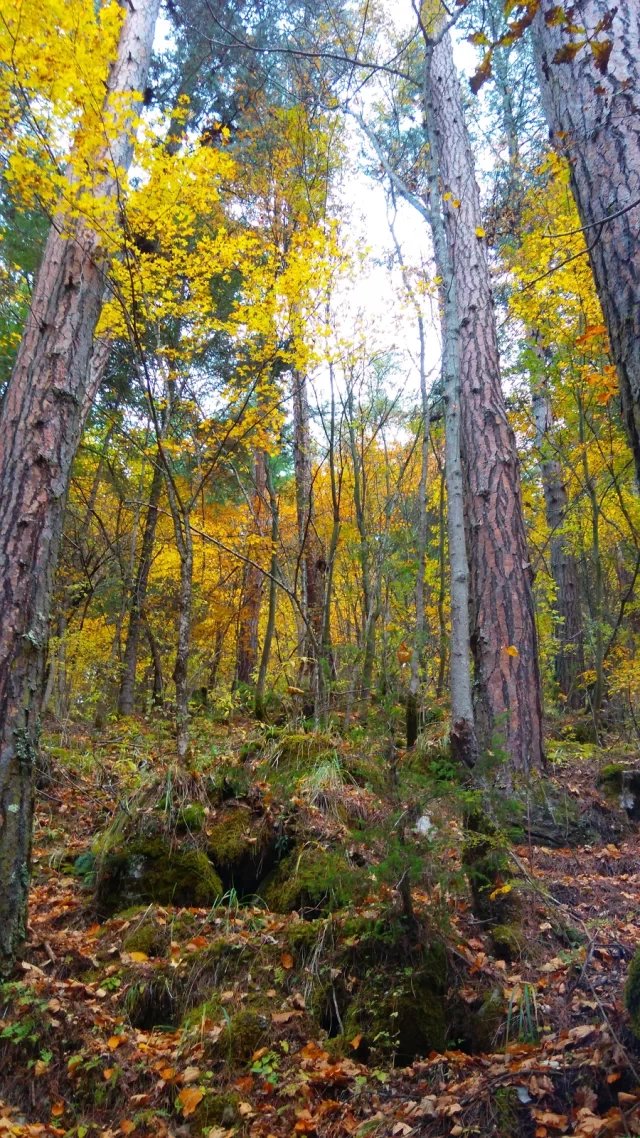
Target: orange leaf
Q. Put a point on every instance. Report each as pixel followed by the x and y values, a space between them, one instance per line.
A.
pixel 57 1109
pixel 189 1098
pixel 286 960
pixel 127 1126
pixel 115 1041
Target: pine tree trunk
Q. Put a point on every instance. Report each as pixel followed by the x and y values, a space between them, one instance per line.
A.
pixel 503 633
pixel 42 420
pixel 464 741
pixel 593 115
pixel 126 697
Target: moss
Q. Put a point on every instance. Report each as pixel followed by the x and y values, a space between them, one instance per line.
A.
pixel 243 1033
pixel 203 1015
pixel 405 1016
pixel 486 862
pixel 191 818
pixel 632 994
pixel 312 882
pixel 148 936
pixel 154 1000
pixel 508 942
pixel 303 936
pixel 243 847
pixel 481 1027
pixel 217 1110
pixel 611 778
pixel 505 1105
pixel 148 869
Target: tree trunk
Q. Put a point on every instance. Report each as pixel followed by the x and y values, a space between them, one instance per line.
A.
pixel 249 615
pixel 464 743
pixel 503 633
pixel 310 557
pixel 569 663
pixel 273 600
pixel 126 697
pixel 42 420
pixel 592 109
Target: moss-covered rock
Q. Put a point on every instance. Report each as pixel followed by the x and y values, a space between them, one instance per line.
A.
pixel 314 881
pixel 508 941
pixel 150 869
pixel 632 994
pixel 486 863
pixel 215 1110
pixel 242 1034
pixel 149 934
pixel 402 1014
pixel 243 846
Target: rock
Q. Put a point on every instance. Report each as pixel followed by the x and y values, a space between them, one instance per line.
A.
pixel 243 846
pixel 149 869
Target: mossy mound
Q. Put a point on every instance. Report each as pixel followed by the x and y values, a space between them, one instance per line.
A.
pixel 314 881
pixel 632 994
pixel 294 756
pixel 191 818
pixel 486 862
pixel 508 942
pixel 215 1110
pixel 243 846
pixel 150 869
pixel 401 1012
pixel 149 934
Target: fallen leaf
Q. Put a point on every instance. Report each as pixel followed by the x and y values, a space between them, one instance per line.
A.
pixel 189 1098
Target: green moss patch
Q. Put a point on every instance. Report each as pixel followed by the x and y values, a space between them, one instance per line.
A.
pixel 243 846
pixel 149 869
pixel 314 881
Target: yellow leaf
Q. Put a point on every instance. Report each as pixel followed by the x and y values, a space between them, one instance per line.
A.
pixel 480 232
pixel 115 1041
pixel 456 203
pixel 447 197
pixel 189 1098
pixel 511 650
pixel 500 892
pixel 138 957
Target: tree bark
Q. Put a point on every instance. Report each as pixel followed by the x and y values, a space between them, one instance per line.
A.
pixel 261 684
pixel 569 662
pixel 464 740
pixel 249 615
pixel 310 558
pixel 503 633
pixel 42 420
pixel 126 697
pixel 591 106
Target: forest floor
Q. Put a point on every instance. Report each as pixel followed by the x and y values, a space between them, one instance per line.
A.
pixel 342 1014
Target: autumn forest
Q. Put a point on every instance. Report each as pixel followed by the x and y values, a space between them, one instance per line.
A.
pixel 319 563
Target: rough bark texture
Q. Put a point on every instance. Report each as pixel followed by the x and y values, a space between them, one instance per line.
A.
pixel 464 740
pixel 126 697
pixel 503 633
pixel 569 662
pixel 595 121
pixel 40 428
pixel 249 615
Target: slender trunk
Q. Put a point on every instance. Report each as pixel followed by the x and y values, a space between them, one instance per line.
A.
pixel 503 632
pixel 569 663
pixel 597 606
pixel 126 697
pixel 249 615
pixel 42 419
pixel 443 638
pixel 310 551
pixel 157 694
pixel 591 104
pixel 273 599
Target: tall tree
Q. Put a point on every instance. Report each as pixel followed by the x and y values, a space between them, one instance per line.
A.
pixel 503 632
pixel 588 65
pixel 42 419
